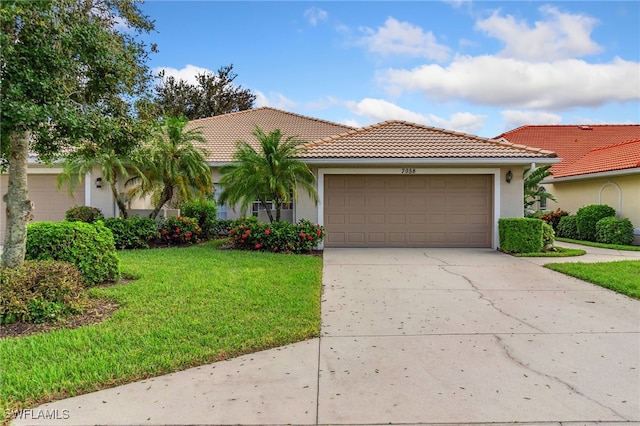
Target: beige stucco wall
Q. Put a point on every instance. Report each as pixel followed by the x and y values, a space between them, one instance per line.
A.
pixel 511 194
pixel 620 192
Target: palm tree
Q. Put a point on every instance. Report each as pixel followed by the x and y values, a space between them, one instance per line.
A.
pixel 111 164
pixel 173 166
pixel 533 192
pixel 271 173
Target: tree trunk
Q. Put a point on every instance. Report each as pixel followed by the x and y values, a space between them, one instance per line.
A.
pixel 167 194
pixel 267 209
pixel 19 206
pixel 122 206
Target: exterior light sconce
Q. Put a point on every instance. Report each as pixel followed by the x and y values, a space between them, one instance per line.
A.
pixel 99 182
pixel 509 176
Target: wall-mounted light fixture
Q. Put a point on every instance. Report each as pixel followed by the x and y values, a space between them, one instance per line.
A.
pixel 509 176
pixel 99 182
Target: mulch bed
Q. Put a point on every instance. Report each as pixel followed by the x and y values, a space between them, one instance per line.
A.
pixel 99 310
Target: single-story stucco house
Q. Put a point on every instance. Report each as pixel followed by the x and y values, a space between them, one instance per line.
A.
pixel 392 184
pixel 600 165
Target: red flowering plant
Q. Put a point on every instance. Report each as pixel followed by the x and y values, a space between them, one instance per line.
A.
pixel 179 230
pixel 276 237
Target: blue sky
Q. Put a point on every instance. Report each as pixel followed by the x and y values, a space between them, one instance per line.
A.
pixel 473 66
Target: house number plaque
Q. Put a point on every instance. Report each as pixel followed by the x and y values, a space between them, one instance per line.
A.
pixel 409 171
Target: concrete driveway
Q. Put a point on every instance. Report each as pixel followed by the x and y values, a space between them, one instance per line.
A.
pixel 413 336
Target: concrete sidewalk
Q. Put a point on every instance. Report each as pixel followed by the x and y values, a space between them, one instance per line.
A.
pixel 413 336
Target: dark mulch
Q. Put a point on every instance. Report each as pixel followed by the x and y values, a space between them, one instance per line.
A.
pixel 99 310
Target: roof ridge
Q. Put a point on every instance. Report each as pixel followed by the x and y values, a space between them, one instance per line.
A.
pixel 387 123
pixel 245 111
pixel 615 145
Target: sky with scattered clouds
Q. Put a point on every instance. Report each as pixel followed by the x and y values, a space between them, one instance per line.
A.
pixel 478 67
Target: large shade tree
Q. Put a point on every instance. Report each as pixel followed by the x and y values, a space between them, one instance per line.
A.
pixel 173 165
pixel 272 173
pixel 63 63
pixel 213 94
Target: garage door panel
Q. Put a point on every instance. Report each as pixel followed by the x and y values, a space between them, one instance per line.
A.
pixel 408 211
pixel 49 203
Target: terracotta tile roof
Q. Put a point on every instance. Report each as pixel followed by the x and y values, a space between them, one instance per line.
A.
pixel 625 155
pixel 223 131
pixel 574 142
pixel 400 139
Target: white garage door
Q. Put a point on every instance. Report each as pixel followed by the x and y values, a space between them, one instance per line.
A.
pixel 50 204
pixel 408 211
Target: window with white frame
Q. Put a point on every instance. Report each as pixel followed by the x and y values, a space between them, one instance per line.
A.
pixel 222 209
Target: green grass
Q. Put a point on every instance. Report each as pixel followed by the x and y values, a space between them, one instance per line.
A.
pixel 622 276
pixel 600 245
pixel 190 306
pixel 560 252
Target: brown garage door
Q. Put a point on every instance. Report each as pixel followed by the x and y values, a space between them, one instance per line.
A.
pixel 408 211
pixel 49 203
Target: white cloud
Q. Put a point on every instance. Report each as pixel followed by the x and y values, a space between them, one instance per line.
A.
pixel 275 100
pixel 377 110
pixel 560 36
pixel 489 80
pixel 315 15
pixel 516 118
pixel 188 73
pixel 403 38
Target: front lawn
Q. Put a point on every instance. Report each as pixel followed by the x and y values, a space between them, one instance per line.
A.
pixel 622 276
pixel 188 307
pixel 600 245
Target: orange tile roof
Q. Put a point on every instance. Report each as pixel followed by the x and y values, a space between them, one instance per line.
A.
pixel 572 143
pixel 400 139
pixel 222 132
pixel 625 155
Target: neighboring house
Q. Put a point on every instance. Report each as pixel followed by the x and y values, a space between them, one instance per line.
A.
pixel 600 165
pixel 393 184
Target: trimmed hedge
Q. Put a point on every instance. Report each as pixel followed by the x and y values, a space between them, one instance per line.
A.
pixel 40 291
pixel 277 237
pixel 525 235
pixel 133 232
pixel 588 216
pixel 567 227
pixel 611 230
pixel 205 212
pixel 83 214
pixel 88 246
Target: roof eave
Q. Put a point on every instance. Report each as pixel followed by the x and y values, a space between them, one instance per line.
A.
pixel 610 173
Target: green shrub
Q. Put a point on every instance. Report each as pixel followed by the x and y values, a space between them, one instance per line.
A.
pixel 588 216
pixel 40 291
pixel 83 214
pixel 524 235
pixel 611 230
pixel 88 246
pixel 205 212
pixel 553 218
pixel 277 237
pixel 567 227
pixel 548 237
pixel 133 232
pixel 179 230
